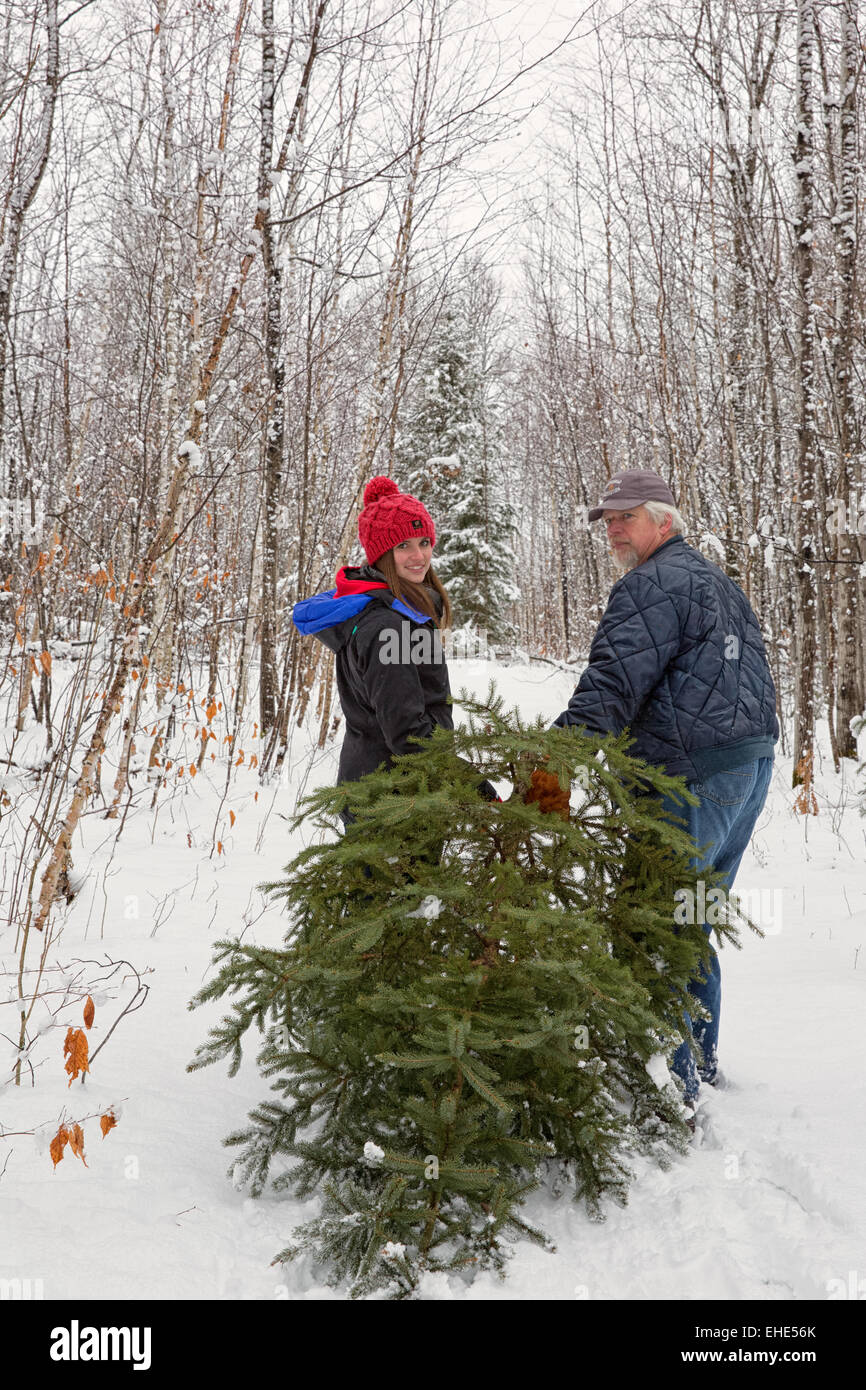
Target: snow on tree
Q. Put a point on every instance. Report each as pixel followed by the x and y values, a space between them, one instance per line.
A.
pixel 449 454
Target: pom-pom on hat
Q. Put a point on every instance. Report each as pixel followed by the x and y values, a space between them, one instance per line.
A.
pixel 389 517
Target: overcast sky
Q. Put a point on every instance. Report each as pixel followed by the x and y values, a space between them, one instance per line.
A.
pixel 560 38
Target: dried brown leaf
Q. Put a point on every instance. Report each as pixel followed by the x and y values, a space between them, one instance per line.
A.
pixel 107 1122
pixel 58 1144
pixel 76 1142
pixel 76 1045
pixel 89 1012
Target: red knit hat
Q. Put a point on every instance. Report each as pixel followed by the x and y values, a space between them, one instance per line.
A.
pixel 389 517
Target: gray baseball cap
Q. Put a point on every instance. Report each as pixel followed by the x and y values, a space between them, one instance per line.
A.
pixel 631 489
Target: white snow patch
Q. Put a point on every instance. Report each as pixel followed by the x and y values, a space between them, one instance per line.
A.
pixel 429 909
pixel 658 1069
pixel 393 1250
pixel 190 450
pixel 711 542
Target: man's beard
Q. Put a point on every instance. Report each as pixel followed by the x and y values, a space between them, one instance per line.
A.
pixel 625 557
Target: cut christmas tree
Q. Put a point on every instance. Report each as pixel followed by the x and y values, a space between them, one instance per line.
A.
pixel 470 996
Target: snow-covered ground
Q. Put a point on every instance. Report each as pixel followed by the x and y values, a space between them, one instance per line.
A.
pixel 770 1203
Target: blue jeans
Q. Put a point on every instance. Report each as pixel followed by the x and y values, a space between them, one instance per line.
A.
pixel 730 804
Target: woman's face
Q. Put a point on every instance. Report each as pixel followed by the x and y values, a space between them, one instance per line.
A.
pixel 412 559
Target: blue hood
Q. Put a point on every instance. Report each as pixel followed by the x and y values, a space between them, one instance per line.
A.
pixel 330 615
pixel 327 610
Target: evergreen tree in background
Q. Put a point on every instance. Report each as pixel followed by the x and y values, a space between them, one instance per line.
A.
pixel 467 991
pixel 449 454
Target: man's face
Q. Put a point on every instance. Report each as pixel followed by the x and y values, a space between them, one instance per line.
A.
pixel 633 535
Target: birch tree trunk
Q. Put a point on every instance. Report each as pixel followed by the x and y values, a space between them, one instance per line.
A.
pixel 806 519
pixel 30 164
pixel 163 615
pixel 849 693
pixel 275 428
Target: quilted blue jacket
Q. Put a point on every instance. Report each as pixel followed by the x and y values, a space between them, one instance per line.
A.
pixel 678 659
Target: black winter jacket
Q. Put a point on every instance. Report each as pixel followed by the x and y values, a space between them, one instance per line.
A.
pixel 392 676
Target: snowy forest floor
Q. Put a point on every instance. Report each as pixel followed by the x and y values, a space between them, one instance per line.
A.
pixel 770 1202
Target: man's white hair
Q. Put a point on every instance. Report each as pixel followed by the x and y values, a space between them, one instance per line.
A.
pixel 659 510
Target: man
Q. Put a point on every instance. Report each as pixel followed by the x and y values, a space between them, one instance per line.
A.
pixel 678 659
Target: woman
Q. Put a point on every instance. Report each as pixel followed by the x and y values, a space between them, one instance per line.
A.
pixel 384 622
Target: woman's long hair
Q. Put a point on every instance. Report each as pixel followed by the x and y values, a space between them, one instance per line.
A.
pixel 417 595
